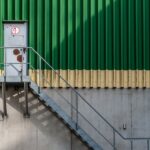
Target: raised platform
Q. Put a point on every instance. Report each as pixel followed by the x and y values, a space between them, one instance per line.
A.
pixel 15 79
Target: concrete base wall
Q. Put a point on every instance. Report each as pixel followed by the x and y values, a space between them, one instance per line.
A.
pixel 127 110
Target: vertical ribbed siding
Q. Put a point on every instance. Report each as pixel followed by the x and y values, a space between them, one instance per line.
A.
pixel 48 32
pixel 102 43
pixel 71 34
pixel 86 35
pixel 146 34
pixel 94 38
pixel 32 27
pixel 2 13
pixel 101 35
pixel 79 35
pixel 116 35
pixel 124 34
pixel 55 33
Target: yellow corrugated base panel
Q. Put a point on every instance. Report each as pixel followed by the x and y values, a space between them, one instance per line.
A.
pixel 117 79
pixel 71 77
pixel 92 78
pixel 64 75
pixel 86 79
pixel 124 78
pixel 1 72
pixel 101 78
pixel 79 78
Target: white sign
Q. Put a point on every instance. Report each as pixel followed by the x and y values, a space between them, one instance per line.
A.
pixel 15 30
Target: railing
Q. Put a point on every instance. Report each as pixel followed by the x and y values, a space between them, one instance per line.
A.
pixel 78 113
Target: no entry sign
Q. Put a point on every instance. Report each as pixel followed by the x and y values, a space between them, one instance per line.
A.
pixel 15 30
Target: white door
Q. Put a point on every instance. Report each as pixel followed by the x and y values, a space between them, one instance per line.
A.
pixel 15 36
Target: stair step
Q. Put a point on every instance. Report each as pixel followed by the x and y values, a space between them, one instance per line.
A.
pixel 66 119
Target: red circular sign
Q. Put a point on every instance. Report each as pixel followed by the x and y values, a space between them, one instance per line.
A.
pixel 15 30
pixel 16 52
pixel 19 58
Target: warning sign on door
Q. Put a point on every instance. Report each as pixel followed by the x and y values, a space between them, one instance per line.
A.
pixel 15 30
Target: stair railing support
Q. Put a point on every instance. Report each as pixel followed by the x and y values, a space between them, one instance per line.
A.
pixel 26 114
pixel 4 87
pixel 22 65
pixel 4 98
pixel 77 111
pixel 40 69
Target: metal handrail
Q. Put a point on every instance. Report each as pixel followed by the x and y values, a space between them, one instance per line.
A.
pixel 78 111
pixel 115 131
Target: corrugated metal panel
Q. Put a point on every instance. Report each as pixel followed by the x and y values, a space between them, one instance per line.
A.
pixel 93 43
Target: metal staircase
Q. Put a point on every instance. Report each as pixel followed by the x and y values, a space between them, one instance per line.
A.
pixel 72 125
pixel 102 140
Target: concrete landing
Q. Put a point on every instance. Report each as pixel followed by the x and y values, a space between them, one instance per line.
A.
pixel 15 79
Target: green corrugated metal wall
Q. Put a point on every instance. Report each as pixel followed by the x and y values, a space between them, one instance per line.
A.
pixel 85 34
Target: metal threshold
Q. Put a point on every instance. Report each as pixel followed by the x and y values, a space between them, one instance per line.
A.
pixel 15 79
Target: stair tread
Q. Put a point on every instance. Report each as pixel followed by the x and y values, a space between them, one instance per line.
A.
pixel 72 125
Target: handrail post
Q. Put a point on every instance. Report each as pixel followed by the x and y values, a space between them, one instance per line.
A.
pixel 26 113
pixel 21 65
pixel 4 64
pixel 4 86
pixel 114 140
pixel 28 64
pixel 77 119
pixel 147 144
pixel 4 98
pixel 40 69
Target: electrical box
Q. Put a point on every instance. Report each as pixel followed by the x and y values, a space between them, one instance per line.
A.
pixel 15 57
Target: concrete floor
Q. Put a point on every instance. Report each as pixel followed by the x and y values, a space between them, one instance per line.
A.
pixel 42 131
